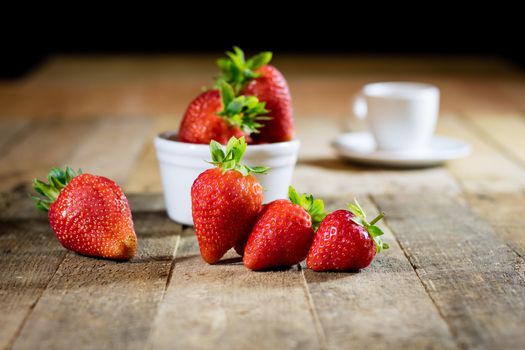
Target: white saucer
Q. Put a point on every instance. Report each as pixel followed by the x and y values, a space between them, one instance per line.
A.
pixel 361 147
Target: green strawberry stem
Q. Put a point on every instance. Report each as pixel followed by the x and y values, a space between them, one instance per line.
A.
pixel 377 218
pixel 231 159
pixel 374 231
pixel 238 71
pixel 58 179
pixel 242 111
pixel 314 207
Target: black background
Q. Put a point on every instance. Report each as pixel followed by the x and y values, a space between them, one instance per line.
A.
pixel 29 35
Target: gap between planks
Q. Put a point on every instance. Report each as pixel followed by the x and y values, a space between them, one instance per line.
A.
pixel 30 310
pixel 473 277
pixel 228 306
pixel 400 245
pixel 489 175
pixel 156 238
pixel 318 326
pixel 385 301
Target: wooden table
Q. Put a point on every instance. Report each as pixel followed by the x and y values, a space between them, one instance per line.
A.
pixel 453 278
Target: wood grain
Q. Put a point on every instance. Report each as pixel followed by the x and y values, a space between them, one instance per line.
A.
pixel 226 306
pixel 505 213
pixel 320 171
pixel 112 148
pixel 385 302
pixel 10 129
pixel 18 206
pixel 78 87
pixel 29 257
pixel 47 144
pixel 504 130
pixel 94 303
pixel 146 174
pixel 475 280
pixel 487 169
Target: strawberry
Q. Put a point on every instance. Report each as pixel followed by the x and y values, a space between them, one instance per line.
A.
pixel 255 77
pixel 219 115
pixel 89 214
pixel 241 243
pixel 225 200
pixel 346 241
pixel 283 232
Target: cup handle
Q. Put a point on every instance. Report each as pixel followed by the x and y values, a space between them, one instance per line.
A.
pixel 359 107
pixel 358 111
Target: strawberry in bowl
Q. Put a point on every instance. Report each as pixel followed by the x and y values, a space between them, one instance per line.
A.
pixel 218 115
pixel 256 77
pixel 250 99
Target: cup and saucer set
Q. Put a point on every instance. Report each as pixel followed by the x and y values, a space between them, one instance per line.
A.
pixel 400 119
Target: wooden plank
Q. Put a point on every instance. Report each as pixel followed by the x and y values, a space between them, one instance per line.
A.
pixel 320 171
pixel 486 170
pixel 155 96
pixel 505 131
pixel 482 94
pixel 94 303
pixel 129 68
pixel 324 177
pixel 226 306
pixel 133 67
pixel 10 130
pixel 382 307
pixel 146 174
pixel 493 177
pixel 504 212
pixel 163 85
pixel 514 88
pixel 17 205
pixel 475 280
pixel 29 257
pixel 146 202
pixel 112 148
pixel 49 143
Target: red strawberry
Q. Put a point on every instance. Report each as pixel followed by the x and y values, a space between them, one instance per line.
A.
pixel 89 214
pixel 283 232
pixel 218 116
pixel 241 244
pixel 271 87
pixel 225 200
pixel 254 77
pixel 345 241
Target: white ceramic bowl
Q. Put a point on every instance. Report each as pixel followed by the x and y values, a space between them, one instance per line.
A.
pixel 181 163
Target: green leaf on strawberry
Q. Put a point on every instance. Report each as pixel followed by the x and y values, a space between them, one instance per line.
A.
pixel 314 207
pixel 242 111
pixel 374 231
pixel 58 180
pixel 231 159
pixel 238 71
pixel 259 60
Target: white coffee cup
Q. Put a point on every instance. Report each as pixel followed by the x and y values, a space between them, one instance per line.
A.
pixel 401 116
